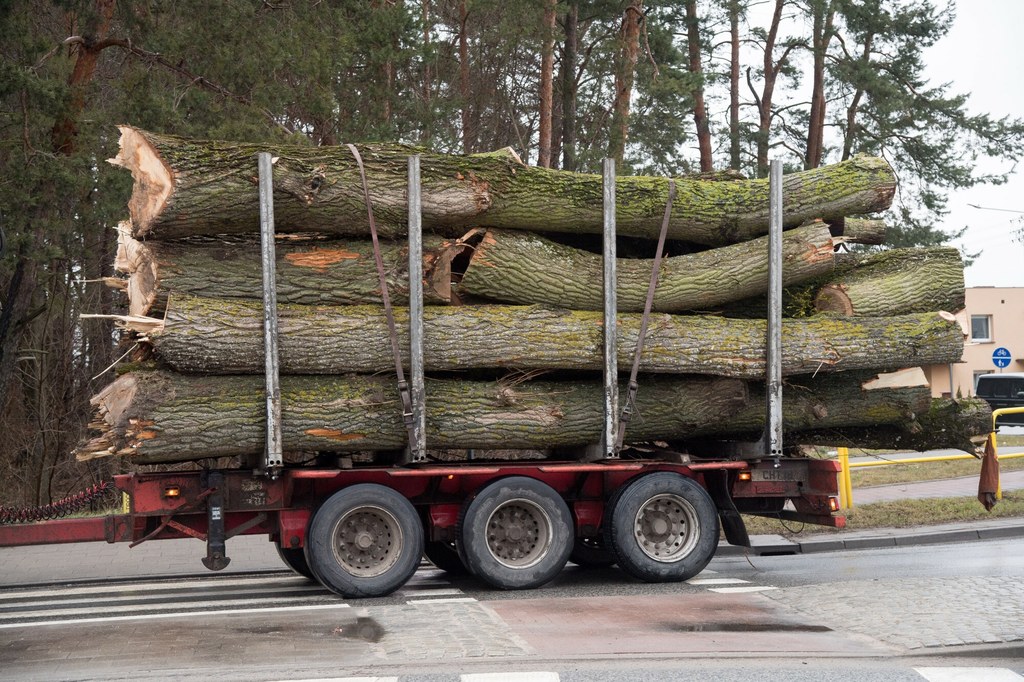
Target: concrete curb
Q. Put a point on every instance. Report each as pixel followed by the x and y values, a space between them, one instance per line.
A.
pixel 769 545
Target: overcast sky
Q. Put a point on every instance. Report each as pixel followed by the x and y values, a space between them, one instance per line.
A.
pixel 983 55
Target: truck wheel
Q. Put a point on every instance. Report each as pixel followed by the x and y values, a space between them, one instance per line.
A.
pixel 516 533
pixel 663 527
pixel 445 556
pixel 591 553
pixel 365 541
pixel 295 559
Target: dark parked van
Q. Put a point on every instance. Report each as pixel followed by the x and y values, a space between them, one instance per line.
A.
pixel 1003 390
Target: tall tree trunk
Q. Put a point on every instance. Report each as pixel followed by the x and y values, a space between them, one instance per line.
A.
pixel 823 13
pixel 319 189
pixel 547 68
pixel 850 134
pixel 700 114
pixel 735 162
pixel 223 336
pixel 569 86
pixel 629 48
pixel 764 102
pixel 467 135
pixel 427 76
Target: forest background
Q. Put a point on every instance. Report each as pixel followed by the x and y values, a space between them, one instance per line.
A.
pixel 664 87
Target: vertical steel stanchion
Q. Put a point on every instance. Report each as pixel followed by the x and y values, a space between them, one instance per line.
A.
pixel 611 369
pixel 273 458
pixel 418 442
pixel 773 380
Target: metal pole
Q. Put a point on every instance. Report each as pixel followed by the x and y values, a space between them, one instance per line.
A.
pixel 773 380
pixel 845 484
pixel 611 369
pixel 418 443
pixel 273 458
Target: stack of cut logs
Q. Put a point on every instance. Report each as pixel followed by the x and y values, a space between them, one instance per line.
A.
pixel 513 292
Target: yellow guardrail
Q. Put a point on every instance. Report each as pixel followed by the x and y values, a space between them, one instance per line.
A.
pixel 846 485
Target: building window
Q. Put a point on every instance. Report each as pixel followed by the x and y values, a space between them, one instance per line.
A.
pixel 981 328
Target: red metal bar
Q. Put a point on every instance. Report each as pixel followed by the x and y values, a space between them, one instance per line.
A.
pixel 57 531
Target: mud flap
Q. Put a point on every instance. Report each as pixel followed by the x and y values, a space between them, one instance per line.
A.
pixel 732 523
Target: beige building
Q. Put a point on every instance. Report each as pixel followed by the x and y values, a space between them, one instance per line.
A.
pixel 993 318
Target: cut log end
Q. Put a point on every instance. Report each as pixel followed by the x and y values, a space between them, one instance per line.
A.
pixel 135 260
pixel 832 298
pixel 154 180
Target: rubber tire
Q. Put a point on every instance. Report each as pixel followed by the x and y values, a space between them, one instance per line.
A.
pixel 295 559
pixel 621 538
pixel 472 536
pixel 445 556
pixel 322 529
pixel 591 553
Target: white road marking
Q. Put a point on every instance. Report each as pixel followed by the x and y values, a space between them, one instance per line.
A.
pixel 715 581
pixel 345 679
pixel 443 600
pixel 968 674
pixel 172 605
pixel 205 583
pixel 511 677
pixel 737 590
pixel 181 614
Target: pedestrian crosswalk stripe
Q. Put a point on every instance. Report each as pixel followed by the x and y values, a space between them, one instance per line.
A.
pixel 441 600
pixel 745 588
pixel 969 674
pixel 511 677
pixel 715 581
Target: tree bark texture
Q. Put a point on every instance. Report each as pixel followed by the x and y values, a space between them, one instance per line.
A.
pixel 947 424
pixel 154 417
pixel 157 417
pixel 700 114
pixel 221 336
pixel 859 230
pixel 884 283
pixel 521 267
pixel 323 272
pixel 894 282
pixel 187 187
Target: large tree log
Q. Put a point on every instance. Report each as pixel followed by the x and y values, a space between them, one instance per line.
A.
pixel 309 271
pixel 883 283
pixel 185 187
pixel 894 282
pixel 153 417
pixel 519 267
pixel 947 425
pixel 222 336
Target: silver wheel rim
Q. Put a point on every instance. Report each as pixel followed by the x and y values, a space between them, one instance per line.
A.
pixel 518 534
pixel 368 541
pixel 666 528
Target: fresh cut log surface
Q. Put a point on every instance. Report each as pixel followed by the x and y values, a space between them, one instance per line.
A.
pixel 219 336
pixel 521 267
pixel 324 272
pixel 185 187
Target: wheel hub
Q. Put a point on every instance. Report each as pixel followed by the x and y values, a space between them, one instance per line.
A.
pixel 367 541
pixel 666 528
pixel 518 534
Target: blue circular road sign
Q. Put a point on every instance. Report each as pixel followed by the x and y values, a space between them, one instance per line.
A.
pixel 1001 357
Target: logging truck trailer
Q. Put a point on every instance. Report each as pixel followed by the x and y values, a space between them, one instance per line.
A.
pixel 361 531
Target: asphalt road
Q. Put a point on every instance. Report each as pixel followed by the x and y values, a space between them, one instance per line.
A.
pixel 857 615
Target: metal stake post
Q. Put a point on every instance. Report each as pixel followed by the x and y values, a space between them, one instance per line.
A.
pixel 611 369
pixel 273 458
pixel 418 442
pixel 773 380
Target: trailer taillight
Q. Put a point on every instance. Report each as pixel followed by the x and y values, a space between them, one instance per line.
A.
pixel 172 491
pixel 745 476
pixel 833 504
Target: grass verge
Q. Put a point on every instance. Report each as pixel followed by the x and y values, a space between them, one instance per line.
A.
pixel 899 514
pixel 929 471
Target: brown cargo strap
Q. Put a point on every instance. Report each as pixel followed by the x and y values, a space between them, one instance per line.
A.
pixel 403 386
pixel 629 405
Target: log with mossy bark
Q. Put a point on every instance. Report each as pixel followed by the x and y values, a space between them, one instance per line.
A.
pixel 894 282
pixel 185 187
pixel 520 267
pixel 308 271
pixel 223 336
pixel 947 425
pixel 155 417
pixel 881 283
